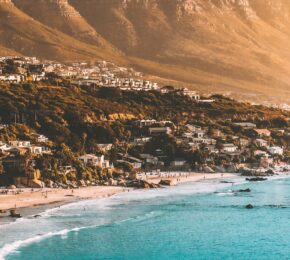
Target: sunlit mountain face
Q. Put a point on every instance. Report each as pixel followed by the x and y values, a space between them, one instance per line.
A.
pixel 239 47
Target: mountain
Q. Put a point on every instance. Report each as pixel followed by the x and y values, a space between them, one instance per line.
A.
pixel 239 47
pixel 60 15
pixel 24 34
pixel 232 45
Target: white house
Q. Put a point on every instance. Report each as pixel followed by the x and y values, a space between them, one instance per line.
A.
pixel 105 147
pixel 190 93
pixel 36 149
pixel 263 132
pixel 178 163
pixel 276 150
pixel 260 153
pixel 199 134
pixel 21 144
pixel 160 130
pixel 4 147
pixel 261 143
pixel 40 138
pixel 246 125
pixel 93 160
pixel 229 148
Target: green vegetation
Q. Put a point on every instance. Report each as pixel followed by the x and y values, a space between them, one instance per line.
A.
pixel 77 118
pixel 81 117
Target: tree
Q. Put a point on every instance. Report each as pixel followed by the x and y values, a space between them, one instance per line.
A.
pixel 110 93
pixel 1 168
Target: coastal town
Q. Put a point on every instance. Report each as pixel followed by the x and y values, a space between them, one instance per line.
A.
pixel 150 147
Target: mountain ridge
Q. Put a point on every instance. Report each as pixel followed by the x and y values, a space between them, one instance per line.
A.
pixel 229 46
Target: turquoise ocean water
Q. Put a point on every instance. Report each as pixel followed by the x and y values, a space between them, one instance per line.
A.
pixel 205 220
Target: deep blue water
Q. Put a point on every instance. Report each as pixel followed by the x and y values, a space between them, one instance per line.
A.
pixel 190 221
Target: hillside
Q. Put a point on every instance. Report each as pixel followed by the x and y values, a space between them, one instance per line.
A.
pixel 66 112
pixel 60 15
pixel 238 47
pixel 76 120
pixel 25 35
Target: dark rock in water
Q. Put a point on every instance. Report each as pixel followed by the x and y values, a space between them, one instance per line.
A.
pixel 245 190
pixel 249 206
pixel 270 172
pixel 37 216
pixel 256 179
pixel 13 214
pixel 226 182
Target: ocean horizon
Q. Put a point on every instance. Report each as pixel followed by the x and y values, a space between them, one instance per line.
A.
pixel 199 220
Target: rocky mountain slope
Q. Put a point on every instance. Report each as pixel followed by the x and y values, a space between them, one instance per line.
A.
pixel 235 46
pixel 22 33
pixel 60 15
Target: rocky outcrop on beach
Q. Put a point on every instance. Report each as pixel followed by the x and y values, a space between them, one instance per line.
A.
pixel 231 168
pixel 141 184
pixel 255 172
pixel 167 182
pixel 208 169
pixel 219 169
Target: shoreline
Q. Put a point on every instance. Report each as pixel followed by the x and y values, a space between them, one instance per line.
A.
pixel 46 196
pixel 194 177
pixel 32 203
pixel 50 197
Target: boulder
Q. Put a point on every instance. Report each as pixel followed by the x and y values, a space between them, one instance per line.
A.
pixel 167 182
pixel 82 183
pixel 227 182
pixel 231 168
pixel 249 206
pixel 21 186
pixel 112 182
pixel 207 169
pixel 245 190
pixel 245 171
pixel 121 183
pixel 270 172
pixel 256 179
pixel 219 169
pixel 36 184
pixel 49 184
pixel 141 184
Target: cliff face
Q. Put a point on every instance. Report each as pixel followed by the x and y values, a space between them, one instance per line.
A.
pixel 60 15
pixel 22 33
pixel 238 46
pixel 245 41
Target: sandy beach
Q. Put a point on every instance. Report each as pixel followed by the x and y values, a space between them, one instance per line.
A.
pixel 194 177
pixel 41 197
